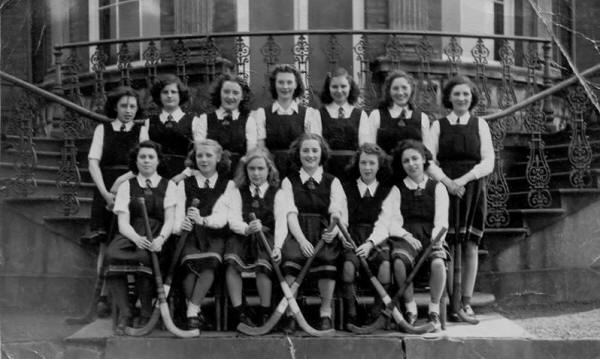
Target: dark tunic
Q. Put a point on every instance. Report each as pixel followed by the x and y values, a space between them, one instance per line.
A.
pixel 281 131
pixel 459 151
pixel 114 163
pixel 176 142
pixel 394 129
pixel 341 135
pixel 204 246
pixel 313 215
pixel 247 254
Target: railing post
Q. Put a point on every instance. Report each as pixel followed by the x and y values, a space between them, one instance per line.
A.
pixel 547 48
pixel 58 89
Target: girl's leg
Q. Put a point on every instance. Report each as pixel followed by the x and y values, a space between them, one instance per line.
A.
pixel 469 274
pixel 409 302
pixel 264 285
pixel 349 292
pixel 234 285
pixel 117 286
pixel 326 289
pixel 437 281
pixel 145 288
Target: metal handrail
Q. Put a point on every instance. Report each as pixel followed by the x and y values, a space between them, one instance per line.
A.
pixel 54 98
pixel 300 32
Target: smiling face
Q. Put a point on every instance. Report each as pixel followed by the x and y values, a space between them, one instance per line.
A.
pixel 207 158
pixel 400 91
pixel 368 165
pixel 126 108
pixel 461 98
pixel 169 97
pixel 147 161
pixel 413 164
pixel 285 84
pixel 258 171
pixel 231 95
pixel 339 88
pixel 310 155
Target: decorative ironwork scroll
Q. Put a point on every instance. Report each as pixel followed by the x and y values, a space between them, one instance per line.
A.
pixel 151 58
pixel 69 179
pixel 580 151
pixel 98 61
pixel 242 58
pixel 71 70
pixel 497 196
pixel 124 58
pixel 480 55
pixel 333 51
pixel 426 93
pixel 209 55
pixel 394 48
pixel 301 52
pixel 270 51
pixel 368 98
pixel 181 57
pixel 24 183
pixel 453 51
pixel 506 92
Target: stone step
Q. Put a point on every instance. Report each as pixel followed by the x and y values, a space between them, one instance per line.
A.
pixel 52 144
pixel 557 180
pixel 48 188
pixel 44 158
pixel 559 164
pixel 47 206
pixel 41 172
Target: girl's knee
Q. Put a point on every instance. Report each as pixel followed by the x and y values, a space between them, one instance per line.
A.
pixel 438 265
pixel 384 273
pixel 348 273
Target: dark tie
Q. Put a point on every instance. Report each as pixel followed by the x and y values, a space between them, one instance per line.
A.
pixel 123 127
pixel 148 189
pixel 311 184
pixel 170 122
pixel 228 118
pixel 206 184
pixel 341 113
pixel 256 198
pixel 368 193
pixel 403 118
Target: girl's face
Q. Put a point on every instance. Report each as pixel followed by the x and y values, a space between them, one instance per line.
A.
pixel 400 91
pixel 310 155
pixel 413 164
pixel 339 88
pixel 368 165
pixel 207 158
pixel 231 95
pixel 169 97
pixel 126 108
pixel 147 161
pixel 285 84
pixel 258 171
pixel 461 98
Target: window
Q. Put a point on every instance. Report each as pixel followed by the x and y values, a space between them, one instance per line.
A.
pixel 498 26
pixel 119 19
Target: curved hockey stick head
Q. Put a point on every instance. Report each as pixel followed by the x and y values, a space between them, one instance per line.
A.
pixel 146 329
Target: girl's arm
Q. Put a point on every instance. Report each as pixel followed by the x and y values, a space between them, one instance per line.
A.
pixel 255 129
pixel 367 129
pixel 312 121
pixel 218 217
pixel 440 219
pixel 434 171
pixel 121 209
pixel 486 165
pixel 199 128
pixel 235 217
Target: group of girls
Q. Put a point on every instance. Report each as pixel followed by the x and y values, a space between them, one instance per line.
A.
pixel 393 208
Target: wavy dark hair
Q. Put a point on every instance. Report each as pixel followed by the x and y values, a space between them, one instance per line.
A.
pixel 241 174
pixel 385 171
pixel 402 146
pixel 459 80
pixel 223 165
pixel 286 68
pixel 215 93
pixel 387 101
pixel 168 79
pixel 110 107
pixel 294 151
pixel 337 72
pixel 133 154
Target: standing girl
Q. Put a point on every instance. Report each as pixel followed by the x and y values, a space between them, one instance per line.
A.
pixel 396 119
pixel 367 195
pixel 424 208
pixel 203 251
pixel 257 193
pixel 462 144
pixel 315 198
pixel 129 252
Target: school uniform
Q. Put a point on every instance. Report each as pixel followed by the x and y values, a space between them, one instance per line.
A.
pixel 463 145
pixel 205 244
pixel 364 206
pixel 110 145
pixel 314 199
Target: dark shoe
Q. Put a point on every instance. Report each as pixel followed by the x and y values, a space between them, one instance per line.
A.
pixel 246 320
pixel 352 320
pixel 469 310
pixel 326 323
pixel 102 309
pixel 264 318
pixel 434 319
pixel 411 318
pixel 121 325
pixel 193 323
pixel 94 237
pixel 205 324
pixel 288 325
pixel 142 321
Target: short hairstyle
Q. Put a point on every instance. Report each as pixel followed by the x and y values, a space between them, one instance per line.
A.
pixel 326 97
pixel 286 68
pixel 110 107
pixel 459 80
pixel 223 166
pixel 132 163
pixel 168 79
pixel 402 146
pixel 294 151
pixel 387 100
pixel 215 93
pixel 385 171
pixel 241 174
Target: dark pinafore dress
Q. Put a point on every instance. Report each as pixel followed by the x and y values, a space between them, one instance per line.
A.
pixel 246 253
pixel 114 163
pixel 229 133
pixel 418 212
pixel 362 215
pixel 392 130
pixel 459 151
pixel 341 135
pixel 281 131
pixel 204 246
pixel 176 141
pixel 122 254
pixel 313 215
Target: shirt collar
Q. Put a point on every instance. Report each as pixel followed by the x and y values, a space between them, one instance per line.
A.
pixel 362 187
pixel 116 125
pixel 263 189
pixel 317 176
pixel 396 110
pixel 177 115
pixel 221 113
pixel 154 179
pixel 200 179
pixel 334 109
pixel 454 119
pixel 412 185
pixel 281 111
